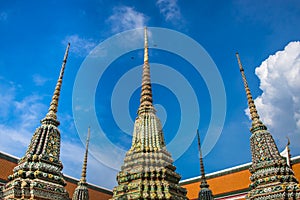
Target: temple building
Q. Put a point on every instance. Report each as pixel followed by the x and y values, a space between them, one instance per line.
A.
pixel 148 171
pixel 230 183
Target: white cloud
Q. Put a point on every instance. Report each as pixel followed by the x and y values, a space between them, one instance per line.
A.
pixel 80 46
pixel 39 80
pixel 125 18
pixel 29 111
pixel 18 119
pixel 279 104
pixel 170 10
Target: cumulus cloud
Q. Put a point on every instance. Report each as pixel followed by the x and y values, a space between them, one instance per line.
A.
pixel 80 46
pixel 125 18
pixel 170 10
pixel 279 103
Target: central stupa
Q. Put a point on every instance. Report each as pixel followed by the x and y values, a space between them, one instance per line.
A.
pixel 148 171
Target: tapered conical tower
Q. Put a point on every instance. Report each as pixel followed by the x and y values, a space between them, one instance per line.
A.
pixel 81 192
pixel 271 177
pixel 205 193
pixel 148 171
pixel 38 174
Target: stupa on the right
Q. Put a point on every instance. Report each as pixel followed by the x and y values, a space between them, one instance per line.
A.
pixel 271 176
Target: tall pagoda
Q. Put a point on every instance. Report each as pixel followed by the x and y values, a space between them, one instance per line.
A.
pixel 271 176
pixel 205 193
pixel 38 174
pixel 148 171
pixel 81 192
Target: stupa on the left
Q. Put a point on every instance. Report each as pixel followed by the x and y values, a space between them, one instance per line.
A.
pixel 38 174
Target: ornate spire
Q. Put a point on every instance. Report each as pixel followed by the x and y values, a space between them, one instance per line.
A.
pixel 148 171
pixel 81 192
pixel 146 137
pixel 83 173
pixel 146 93
pixel 54 102
pixel 256 123
pixel 205 193
pixel 271 177
pixel 38 173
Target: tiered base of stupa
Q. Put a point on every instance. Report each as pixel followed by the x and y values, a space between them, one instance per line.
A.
pixel 148 175
pixel 271 177
pixel 274 182
pixel 81 192
pixel 34 189
pixel 35 178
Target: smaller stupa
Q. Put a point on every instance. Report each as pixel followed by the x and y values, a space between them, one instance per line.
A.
pixel 81 192
pixel 205 193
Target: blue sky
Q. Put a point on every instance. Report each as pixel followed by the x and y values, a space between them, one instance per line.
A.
pixel 34 35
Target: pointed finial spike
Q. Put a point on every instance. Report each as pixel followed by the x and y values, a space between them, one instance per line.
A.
pixel 199 144
pixel 146 93
pixel 203 178
pixel 84 166
pixel 146 57
pixel 81 192
pixel 54 102
pixel 239 61
pixel 253 112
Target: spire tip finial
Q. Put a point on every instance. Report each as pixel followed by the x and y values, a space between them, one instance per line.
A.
pixel 54 102
pixel 146 56
pixel 84 166
pixel 203 178
pixel 253 112
pixel 146 93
